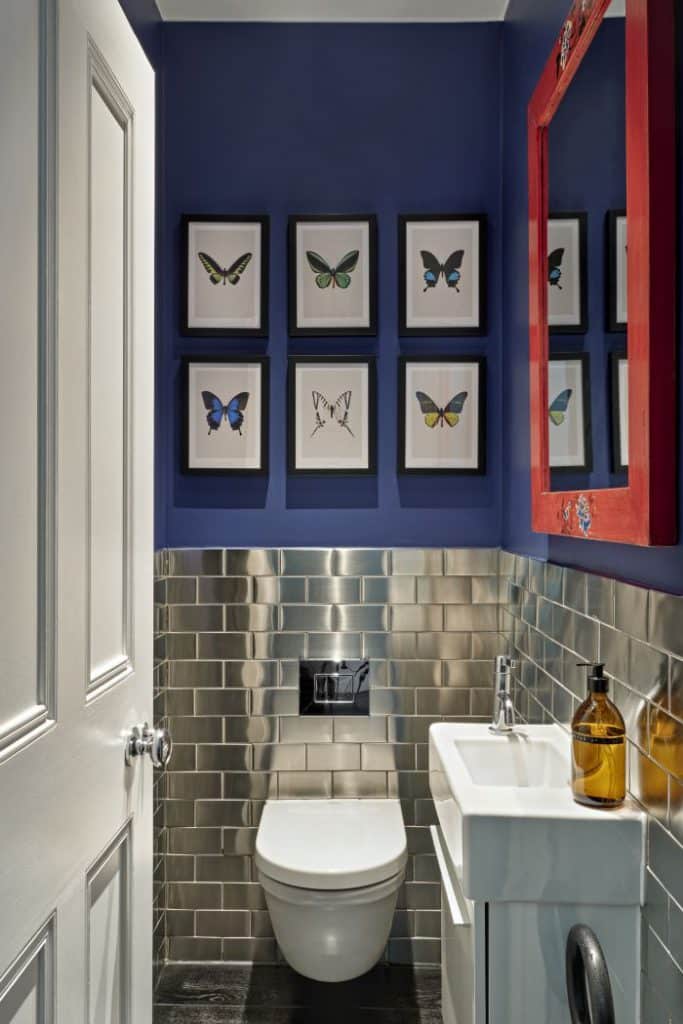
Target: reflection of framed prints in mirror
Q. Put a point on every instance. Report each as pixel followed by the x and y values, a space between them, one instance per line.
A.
pixel 619 407
pixel 617 270
pixel 570 447
pixel 567 272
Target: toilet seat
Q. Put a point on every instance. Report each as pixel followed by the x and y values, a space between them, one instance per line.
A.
pixel 331 844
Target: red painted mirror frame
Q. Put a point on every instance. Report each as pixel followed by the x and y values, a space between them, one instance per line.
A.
pixel 645 511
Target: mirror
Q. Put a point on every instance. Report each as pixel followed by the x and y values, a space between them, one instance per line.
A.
pixel 586 310
pixel 602 164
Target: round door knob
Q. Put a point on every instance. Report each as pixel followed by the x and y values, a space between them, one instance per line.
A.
pixel 155 742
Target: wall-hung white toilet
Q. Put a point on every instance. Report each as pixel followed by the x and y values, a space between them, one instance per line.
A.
pixel 331 871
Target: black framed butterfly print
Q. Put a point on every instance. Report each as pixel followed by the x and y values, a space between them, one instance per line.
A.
pixel 225 275
pixel 442 274
pixel 332 415
pixel 333 275
pixel 226 424
pixel 569 413
pixel 442 414
pixel 567 273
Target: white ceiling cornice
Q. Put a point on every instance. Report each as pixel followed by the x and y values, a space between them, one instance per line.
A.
pixel 337 11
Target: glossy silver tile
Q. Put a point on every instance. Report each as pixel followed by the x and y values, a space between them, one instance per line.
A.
pixel 600 598
pixel 554 582
pixel 665 859
pixel 195 673
pixel 306 730
pixel 445 589
pixel 279 645
pixel 387 757
pixel 359 617
pixel 222 646
pixel 327 757
pixel 256 617
pixel 179 922
pixel 307 785
pixel 280 757
pixel 334 590
pixel 178 702
pixel 443 702
pixel 249 785
pixel 239 841
pixel 261 926
pixel 334 645
pixel 263 951
pixel 417 617
pixel 274 702
pixel 190 729
pixel 215 813
pixel 368 785
pixel 417 562
pixel 389 645
pixel 251 674
pixel 415 673
pixel 631 609
pixel 252 562
pixel 224 589
pixel 223 757
pixel 221 702
pixel 179 590
pixel 471 562
pixel 178 813
pixel 409 729
pixel 193 895
pixel 223 869
pixel 468 673
pixel 648 671
pixel 195 562
pixel 193 785
pixel 360 562
pixel 180 646
pixel 666 622
pixel 307 562
pixel 586 637
pixel 243 895
pixel 306 618
pixel 392 702
pixel 194 840
pixel 389 590
pixel 251 730
pixel 428 924
pixel 414 951
pixel 481 703
pixel 575 590
pixel 443 645
pixel 360 730
pixel 223 922
pixel 463 617
pixel 485 590
pixel 183 618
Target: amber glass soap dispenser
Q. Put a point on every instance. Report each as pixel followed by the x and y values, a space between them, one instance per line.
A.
pixel 598 747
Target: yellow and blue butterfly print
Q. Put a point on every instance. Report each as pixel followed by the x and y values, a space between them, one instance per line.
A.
pixel 555 267
pixel 558 408
pixel 339 276
pixel 433 415
pixel 450 270
pixel 233 412
pixel 217 273
pixel 336 412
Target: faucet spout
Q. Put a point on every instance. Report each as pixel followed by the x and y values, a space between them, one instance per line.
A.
pixel 504 708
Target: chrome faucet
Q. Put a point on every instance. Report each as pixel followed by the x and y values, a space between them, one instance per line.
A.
pixel 504 709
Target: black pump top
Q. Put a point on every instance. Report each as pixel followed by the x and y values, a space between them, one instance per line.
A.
pixel 597 683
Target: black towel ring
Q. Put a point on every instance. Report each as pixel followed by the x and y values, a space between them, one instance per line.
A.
pixel 588 985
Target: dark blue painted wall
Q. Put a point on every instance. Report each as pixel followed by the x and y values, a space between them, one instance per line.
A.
pixel 283 119
pixel 530 30
pixel 146 21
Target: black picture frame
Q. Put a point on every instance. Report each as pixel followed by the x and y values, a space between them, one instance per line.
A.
pixel 225 332
pixel 480 469
pixel 582 326
pixel 331 332
pixel 584 359
pixel 371 364
pixel 615 358
pixel 264 363
pixel 404 219
pixel 612 322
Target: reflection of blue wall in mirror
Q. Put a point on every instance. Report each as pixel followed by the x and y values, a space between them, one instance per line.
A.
pixel 587 172
pixel 530 31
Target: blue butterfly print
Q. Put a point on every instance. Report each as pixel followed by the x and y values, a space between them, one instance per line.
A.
pixel 555 267
pixel 232 412
pixel 450 269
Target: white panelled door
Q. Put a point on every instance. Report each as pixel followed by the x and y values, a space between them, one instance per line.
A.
pixel 76 401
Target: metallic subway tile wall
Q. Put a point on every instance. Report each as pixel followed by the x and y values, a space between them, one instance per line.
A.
pixel 233 625
pixel 555 617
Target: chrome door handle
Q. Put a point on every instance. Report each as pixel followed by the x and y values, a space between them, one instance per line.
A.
pixel 155 742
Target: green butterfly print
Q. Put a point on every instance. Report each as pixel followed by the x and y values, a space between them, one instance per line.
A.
pixel 339 276
pixel 217 273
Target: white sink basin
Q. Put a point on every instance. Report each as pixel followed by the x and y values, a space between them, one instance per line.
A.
pixel 512 828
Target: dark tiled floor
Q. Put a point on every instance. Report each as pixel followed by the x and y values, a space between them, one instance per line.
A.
pixel 230 994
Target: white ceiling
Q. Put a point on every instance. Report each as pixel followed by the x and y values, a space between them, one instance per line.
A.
pixel 333 10
pixel 343 10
